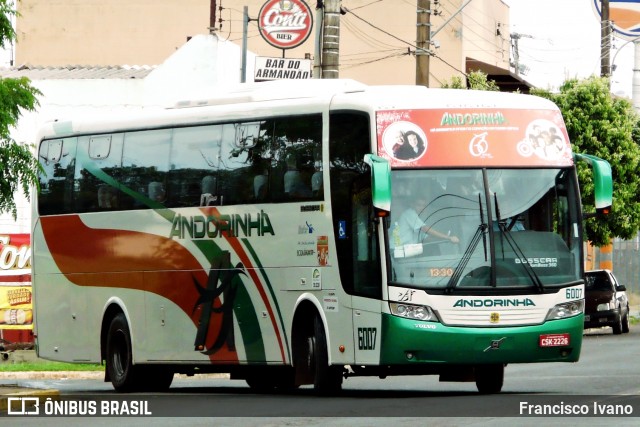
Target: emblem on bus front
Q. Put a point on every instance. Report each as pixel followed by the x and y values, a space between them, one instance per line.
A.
pixel 495 344
pixel 494 317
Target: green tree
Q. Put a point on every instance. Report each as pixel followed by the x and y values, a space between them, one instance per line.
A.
pixel 18 167
pixel 475 80
pixel 608 127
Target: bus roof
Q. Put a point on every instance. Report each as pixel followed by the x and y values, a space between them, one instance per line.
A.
pixel 306 96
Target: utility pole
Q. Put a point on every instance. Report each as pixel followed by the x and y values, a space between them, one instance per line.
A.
pixel 212 17
pixel 245 30
pixel 515 37
pixel 605 40
pixel 331 40
pixel 423 42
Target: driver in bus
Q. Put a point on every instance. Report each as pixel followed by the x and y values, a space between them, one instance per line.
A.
pixel 412 227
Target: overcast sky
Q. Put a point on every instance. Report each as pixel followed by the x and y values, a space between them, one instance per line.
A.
pixel 565 43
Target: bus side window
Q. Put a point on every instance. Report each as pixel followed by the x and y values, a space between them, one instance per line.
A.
pixel 58 159
pixel 194 159
pixel 146 154
pixel 296 140
pixel 103 153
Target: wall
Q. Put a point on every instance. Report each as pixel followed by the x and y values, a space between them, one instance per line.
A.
pixel 113 32
pixel 376 37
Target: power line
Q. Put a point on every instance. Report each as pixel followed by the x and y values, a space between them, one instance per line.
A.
pixel 403 41
pixel 380 29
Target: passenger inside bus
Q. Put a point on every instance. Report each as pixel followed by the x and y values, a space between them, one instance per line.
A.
pixel 294 187
pixel 208 187
pixel 260 186
pixel 316 179
pixel 107 197
pixel 157 192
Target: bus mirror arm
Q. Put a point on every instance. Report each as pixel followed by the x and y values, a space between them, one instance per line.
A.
pixel 599 213
pixel 380 183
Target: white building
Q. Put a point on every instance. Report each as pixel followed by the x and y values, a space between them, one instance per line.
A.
pixel 203 63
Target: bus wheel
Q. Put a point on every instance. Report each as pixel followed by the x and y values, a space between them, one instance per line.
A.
pixel 327 379
pixel 119 363
pixel 489 378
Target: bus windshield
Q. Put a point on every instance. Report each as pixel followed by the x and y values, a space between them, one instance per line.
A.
pixel 484 229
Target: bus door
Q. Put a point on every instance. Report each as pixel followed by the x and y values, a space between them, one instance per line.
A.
pixel 366 279
pixel 356 234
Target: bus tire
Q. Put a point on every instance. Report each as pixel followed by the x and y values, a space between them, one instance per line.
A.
pixel 119 360
pixel 327 379
pixel 489 378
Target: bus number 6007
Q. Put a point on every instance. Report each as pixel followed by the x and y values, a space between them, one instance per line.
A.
pixel 367 338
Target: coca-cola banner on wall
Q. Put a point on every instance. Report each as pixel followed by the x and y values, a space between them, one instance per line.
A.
pixel 285 24
pixel 15 283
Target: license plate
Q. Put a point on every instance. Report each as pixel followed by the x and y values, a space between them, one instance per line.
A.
pixel 554 340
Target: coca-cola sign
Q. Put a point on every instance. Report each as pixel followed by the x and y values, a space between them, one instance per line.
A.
pixel 285 24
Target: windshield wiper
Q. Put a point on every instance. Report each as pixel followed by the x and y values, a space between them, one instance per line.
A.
pixel 471 247
pixel 506 235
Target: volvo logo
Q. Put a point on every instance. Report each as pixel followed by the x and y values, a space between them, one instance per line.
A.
pixel 495 344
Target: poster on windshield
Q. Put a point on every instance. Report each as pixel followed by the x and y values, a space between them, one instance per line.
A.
pixel 473 137
pixel 16 305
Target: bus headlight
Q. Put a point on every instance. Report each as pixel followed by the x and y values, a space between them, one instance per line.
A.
pixel 411 311
pixel 566 309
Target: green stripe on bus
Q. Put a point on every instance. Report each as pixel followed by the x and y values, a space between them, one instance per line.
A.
pixel 245 314
pixel 243 308
pixel 264 275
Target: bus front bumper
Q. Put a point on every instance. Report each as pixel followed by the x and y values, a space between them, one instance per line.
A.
pixel 406 341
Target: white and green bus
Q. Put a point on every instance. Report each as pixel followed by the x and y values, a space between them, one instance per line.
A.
pixel 293 233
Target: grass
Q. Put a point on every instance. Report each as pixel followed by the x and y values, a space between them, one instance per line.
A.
pixel 48 366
